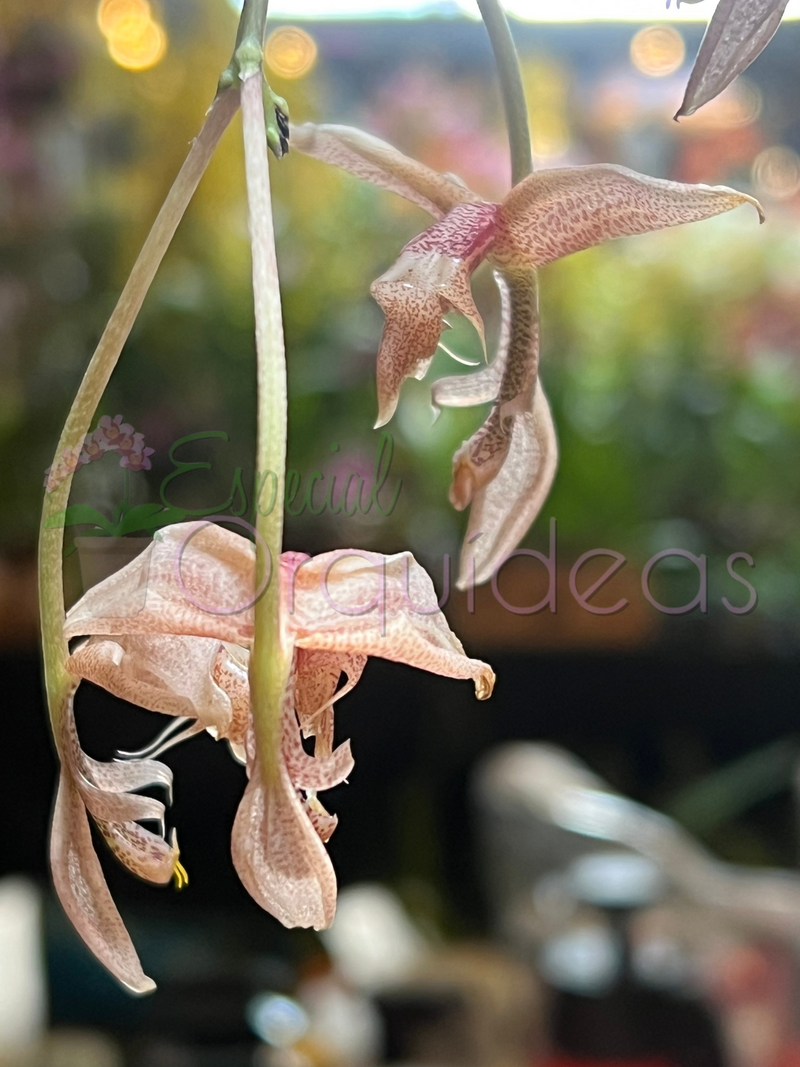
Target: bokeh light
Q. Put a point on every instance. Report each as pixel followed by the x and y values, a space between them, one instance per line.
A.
pixel 135 39
pixel 776 172
pixel 290 52
pixel 657 51
pixel 123 19
pixel 140 53
pixel 277 1020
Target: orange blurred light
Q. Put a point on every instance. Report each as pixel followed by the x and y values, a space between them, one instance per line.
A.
pixel 290 52
pixel 776 172
pixel 123 20
pixel 657 51
pixel 142 52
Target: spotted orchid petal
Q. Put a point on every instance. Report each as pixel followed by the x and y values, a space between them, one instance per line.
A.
pixel 323 822
pixel 318 675
pixel 431 277
pixel 738 32
pixel 281 828
pixel 351 601
pixel 102 789
pixel 482 387
pixel 553 213
pixel 502 512
pixel 312 773
pixel 480 459
pixel 170 674
pixel 81 886
pixel 279 855
pixel 195 579
pixel 276 848
pixel 379 163
pixel 505 470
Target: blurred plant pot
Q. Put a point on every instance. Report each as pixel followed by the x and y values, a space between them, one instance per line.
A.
pixel 101 557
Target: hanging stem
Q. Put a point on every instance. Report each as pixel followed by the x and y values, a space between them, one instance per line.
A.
pixel 270 660
pixel 51 541
pixel 248 51
pixel 253 23
pixel 508 71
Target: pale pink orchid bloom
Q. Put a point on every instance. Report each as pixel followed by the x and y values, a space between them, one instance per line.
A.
pixel 738 32
pixel 114 430
pixel 130 442
pixel 505 470
pixel 172 632
pixel 136 459
pixel 95 446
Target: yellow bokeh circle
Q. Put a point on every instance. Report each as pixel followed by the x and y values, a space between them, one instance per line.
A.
pixel 657 51
pixel 135 39
pixel 290 52
pixel 142 52
pixel 123 20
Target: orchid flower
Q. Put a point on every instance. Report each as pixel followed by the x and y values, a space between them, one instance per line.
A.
pixel 505 470
pixel 738 32
pixel 172 632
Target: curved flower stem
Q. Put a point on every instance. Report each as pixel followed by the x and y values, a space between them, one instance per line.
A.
pixel 253 23
pixel 271 659
pixel 508 71
pixel 51 541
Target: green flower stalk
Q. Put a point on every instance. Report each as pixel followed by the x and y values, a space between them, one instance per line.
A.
pixel 76 870
pixel 271 659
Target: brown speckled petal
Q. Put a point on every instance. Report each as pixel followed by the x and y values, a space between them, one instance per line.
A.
pixel 312 772
pixel 480 459
pixel 504 510
pixel 278 853
pixel 196 579
pixel 167 673
pixel 374 605
pixel 145 854
pixel 101 788
pixel 322 821
pixel 230 673
pixel 77 875
pixel 318 674
pixel 409 340
pixel 431 277
pixel 555 212
pixel 738 32
pixel 84 895
pixel 377 162
pixel 466 390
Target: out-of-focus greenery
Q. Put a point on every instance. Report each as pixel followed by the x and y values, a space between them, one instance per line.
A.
pixel 671 360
